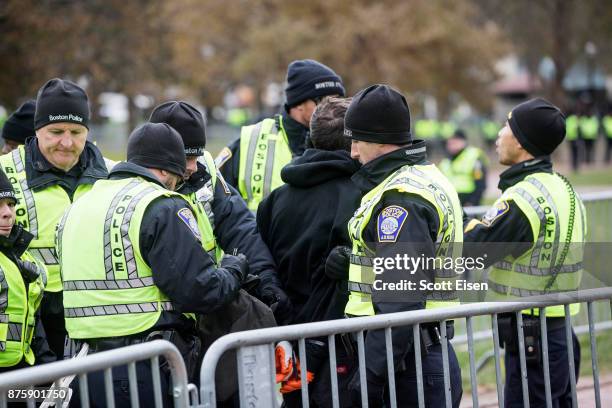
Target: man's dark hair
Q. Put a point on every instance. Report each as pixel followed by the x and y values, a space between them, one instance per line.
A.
pixel 327 125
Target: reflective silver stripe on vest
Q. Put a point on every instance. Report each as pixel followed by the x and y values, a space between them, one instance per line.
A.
pixel 361 260
pixel 442 295
pixel 531 270
pixel 249 160
pixel 109 310
pixel 360 287
pixel 48 256
pixel 535 253
pixel 3 292
pixel 58 236
pixel 30 208
pixel 108 256
pixel 128 249
pixel 17 161
pixel 518 292
pixel 14 332
pixel 415 151
pixel 538 184
pixel 108 284
pixel 269 167
pixel 4 318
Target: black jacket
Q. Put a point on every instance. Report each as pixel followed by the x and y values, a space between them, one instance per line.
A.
pixel 180 267
pixel 297 136
pixel 13 247
pixel 415 237
pixel 508 232
pixel 234 226
pixel 42 174
pixel 302 221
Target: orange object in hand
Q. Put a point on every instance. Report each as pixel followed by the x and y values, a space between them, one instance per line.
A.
pixel 288 371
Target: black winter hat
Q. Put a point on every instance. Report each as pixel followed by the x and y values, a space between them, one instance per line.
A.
pixel 20 125
pixel 186 120
pixel 6 188
pixel 61 101
pixel 538 125
pixel 157 146
pixel 309 79
pixel 459 134
pixel 378 114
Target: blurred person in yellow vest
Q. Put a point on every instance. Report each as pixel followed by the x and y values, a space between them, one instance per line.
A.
pixel 466 168
pixel 606 123
pixel 572 133
pixel 589 131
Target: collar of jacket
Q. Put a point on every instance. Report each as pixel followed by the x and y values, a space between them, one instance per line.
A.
pixel 195 182
pixel 17 242
pixel 297 134
pixel 125 170
pixel 41 174
pixel 519 171
pixel 375 172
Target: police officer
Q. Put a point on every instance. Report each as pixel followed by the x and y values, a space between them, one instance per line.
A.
pixel 225 221
pixel 48 173
pixel 141 271
pixel 409 208
pixel 572 131
pixel 466 168
pixel 22 279
pixel 606 124
pixel 535 258
pixel 252 164
pixel 19 126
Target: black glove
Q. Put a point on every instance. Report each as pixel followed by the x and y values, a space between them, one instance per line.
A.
pixel 279 303
pixel 337 263
pixel 236 264
pixel 376 387
pixel 29 270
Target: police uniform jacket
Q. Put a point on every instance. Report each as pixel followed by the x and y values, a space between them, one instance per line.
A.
pixel 181 269
pixel 420 228
pixel 507 225
pixel 234 226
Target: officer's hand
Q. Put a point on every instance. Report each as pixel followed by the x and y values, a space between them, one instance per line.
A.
pixel 29 270
pixel 237 264
pixel 376 387
pixel 337 263
pixel 279 302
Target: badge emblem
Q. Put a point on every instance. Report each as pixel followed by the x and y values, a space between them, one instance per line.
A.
pixel 390 222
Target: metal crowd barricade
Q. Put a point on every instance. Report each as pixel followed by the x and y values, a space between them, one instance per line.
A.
pixel 106 360
pixel 256 349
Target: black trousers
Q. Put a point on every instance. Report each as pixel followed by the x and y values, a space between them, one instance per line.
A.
pixel 433 380
pixel 121 387
pixel 52 317
pixel 559 374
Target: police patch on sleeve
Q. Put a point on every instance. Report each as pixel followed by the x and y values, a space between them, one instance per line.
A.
pixel 494 213
pixel 223 156
pixel 390 222
pixel 188 218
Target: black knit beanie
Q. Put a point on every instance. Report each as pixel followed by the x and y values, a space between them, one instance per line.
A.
pixel 378 114
pixel 20 124
pixel 309 79
pixel 157 146
pixel 538 125
pixel 186 120
pixel 6 188
pixel 61 101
